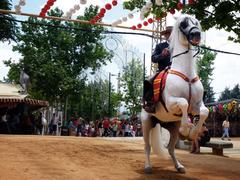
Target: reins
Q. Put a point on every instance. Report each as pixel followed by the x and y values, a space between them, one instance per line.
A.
pixel 185 52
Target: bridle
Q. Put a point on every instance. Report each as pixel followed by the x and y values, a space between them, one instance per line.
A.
pixel 187 35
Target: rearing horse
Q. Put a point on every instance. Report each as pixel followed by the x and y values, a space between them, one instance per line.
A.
pixel 182 95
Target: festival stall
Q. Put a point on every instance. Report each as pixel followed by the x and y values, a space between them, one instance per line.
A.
pixel 218 111
pixel 16 109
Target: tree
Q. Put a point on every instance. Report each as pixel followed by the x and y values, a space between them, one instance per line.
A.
pixel 56 58
pixel 229 94
pixel 235 93
pixel 226 94
pixel 8 28
pixel 211 13
pixel 132 82
pixel 205 62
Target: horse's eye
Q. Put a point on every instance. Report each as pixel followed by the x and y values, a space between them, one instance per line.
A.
pixel 184 24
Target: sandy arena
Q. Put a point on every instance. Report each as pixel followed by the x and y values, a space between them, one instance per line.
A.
pixel 70 158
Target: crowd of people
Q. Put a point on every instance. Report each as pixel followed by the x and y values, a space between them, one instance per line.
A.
pixel 104 128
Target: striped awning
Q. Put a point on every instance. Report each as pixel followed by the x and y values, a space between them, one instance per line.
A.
pixel 28 101
pixel 11 96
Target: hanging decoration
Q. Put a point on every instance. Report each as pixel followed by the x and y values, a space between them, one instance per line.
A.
pixel 73 10
pixel 18 7
pixel 123 19
pixel 145 23
pixel 83 2
pixel 220 107
pixel 214 109
pixel 47 6
pixel 231 107
pixel 210 109
pixel 102 12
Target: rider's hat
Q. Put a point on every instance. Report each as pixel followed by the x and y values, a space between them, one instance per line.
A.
pixel 167 30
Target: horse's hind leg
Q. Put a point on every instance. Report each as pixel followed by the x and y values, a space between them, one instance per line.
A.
pixel 146 127
pixel 173 129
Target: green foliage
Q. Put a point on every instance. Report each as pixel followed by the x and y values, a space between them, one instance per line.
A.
pixel 211 13
pixel 229 94
pixel 205 62
pixel 132 83
pixel 56 59
pixel 7 28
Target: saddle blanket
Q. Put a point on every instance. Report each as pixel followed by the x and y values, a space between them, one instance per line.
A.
pixel 159 85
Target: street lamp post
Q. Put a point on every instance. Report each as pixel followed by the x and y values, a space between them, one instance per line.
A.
pixel 109 95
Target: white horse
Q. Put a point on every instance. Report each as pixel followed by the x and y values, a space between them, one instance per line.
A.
pixel 182 95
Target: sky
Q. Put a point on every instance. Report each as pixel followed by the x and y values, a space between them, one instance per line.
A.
pixel 226 67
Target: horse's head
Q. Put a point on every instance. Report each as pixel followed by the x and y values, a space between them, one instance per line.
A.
pixel 189 28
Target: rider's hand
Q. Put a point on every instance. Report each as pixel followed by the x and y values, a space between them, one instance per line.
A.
pixel 165 52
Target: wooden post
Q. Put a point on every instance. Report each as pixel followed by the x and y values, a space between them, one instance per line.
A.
pixel 71 20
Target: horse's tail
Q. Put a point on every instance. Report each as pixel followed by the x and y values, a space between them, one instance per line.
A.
pixel 157 142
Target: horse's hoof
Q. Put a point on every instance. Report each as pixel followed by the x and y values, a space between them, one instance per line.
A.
pixel 181 170
pixel 148 170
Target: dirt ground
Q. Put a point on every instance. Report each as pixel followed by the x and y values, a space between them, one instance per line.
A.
pixel 70 158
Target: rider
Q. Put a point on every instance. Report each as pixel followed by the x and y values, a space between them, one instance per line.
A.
pixel 161 55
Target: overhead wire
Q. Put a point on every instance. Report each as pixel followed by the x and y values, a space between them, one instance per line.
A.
pixel 109 32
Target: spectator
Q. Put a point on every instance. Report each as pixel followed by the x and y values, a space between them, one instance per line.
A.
pixel 226 125
pixel 54 123
pixel 106 125
pixel 114 128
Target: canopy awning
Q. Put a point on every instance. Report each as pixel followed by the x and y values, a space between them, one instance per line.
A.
pixel 33 102
pixel 11 95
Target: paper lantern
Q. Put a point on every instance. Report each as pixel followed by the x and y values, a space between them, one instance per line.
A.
pixel 124 19
pixel 133 27
pixel 22 2
pixel 139 26
pixel 108 6
pixel 150 20
pixel 83 1
pixel 179 6
pixel 130 16
pixel 191 2
pixel 225 107
pixel 229 106
pixel 114 3
pixel 210 109
pixel 101 15
pixel 220 107
pixel 234 102
pixel 103 10
pixel 172 11
pixel 145 23
pixel 76 7
pixel 214 109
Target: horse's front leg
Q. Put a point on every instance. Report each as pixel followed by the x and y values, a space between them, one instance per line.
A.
pixel 146 128
pixel 175 103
